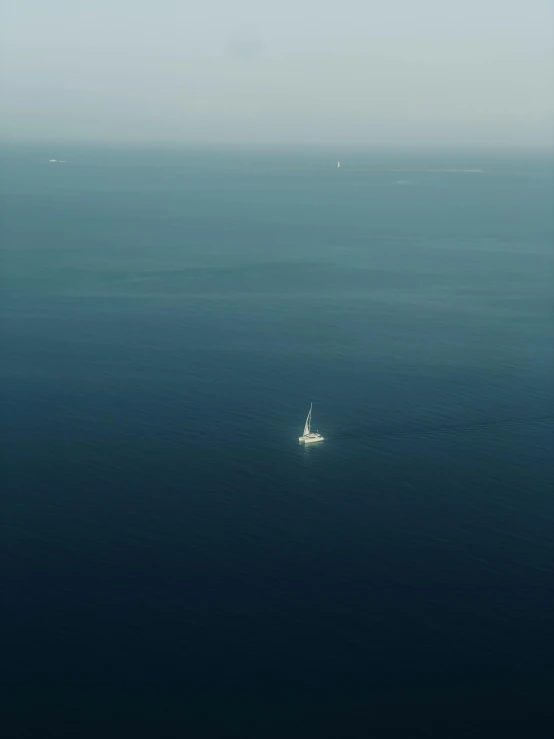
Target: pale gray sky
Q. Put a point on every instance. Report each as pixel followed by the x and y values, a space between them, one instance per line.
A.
pixel 290 71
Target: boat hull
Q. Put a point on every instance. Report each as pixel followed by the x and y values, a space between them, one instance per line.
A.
pixel 310 438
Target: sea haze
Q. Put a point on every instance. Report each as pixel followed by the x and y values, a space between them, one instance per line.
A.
pixel 174 563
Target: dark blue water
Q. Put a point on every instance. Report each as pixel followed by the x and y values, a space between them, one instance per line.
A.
pixel 174 564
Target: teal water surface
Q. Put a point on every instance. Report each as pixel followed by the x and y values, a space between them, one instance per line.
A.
pixel 174 563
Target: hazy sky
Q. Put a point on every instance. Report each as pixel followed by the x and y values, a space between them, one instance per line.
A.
pixel 236 71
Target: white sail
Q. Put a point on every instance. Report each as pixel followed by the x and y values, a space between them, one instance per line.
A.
pixel 308 421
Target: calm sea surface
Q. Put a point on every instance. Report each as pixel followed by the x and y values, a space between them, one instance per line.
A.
pixel 174 563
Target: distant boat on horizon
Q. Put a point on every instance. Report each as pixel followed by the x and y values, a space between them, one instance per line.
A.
pixel 308 437
pixel 338 165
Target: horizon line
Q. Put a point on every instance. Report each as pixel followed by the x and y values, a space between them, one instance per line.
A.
pixel 307 145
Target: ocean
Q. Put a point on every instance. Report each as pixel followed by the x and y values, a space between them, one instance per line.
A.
pixel 174 562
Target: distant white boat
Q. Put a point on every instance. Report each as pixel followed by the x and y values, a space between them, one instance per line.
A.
pixel 308 437
pixel 58 161
pixel 338 165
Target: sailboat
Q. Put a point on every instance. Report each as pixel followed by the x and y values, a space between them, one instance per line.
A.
pixel 308 437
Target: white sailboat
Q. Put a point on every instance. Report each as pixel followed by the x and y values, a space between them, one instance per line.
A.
pixel 308 437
